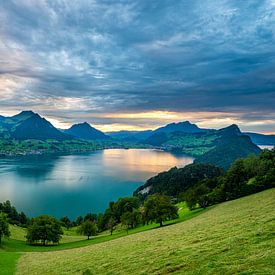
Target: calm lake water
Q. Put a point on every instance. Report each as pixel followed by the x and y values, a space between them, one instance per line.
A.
pixel 77 184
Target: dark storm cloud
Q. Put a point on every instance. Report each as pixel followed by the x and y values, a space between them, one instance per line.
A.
pixel 134 56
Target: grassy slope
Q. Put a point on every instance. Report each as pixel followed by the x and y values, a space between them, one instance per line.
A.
pixel 70 239
pixel 236 236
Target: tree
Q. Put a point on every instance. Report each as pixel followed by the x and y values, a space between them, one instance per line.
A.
pixel 159 208
pixel 111 225
pixel 90 217
pixel 4 226
pixel 79 220
pixel 23 219
pixel 44 229
pixel 66 222
pixel 88 228
pixel 190 199
pixel 235 180
pixel 124 205
pixel 13 216
pixel 130 219
pixel 11 212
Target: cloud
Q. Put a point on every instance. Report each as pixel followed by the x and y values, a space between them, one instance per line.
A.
pixel 112 57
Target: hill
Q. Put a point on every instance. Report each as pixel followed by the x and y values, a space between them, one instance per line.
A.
pixel 85 131
pixel 229 149
pixel 176 181
pixel 261 139
pixel 206 244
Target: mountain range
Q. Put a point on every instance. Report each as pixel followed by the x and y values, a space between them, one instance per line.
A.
pixel 182 127
pixel 29 125
pixel 220 147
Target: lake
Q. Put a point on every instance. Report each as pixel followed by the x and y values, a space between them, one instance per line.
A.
pixel 74 185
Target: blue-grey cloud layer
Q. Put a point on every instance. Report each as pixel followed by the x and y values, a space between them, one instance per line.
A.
pixel 134 56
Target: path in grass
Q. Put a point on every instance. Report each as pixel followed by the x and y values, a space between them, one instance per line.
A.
pixel 233 237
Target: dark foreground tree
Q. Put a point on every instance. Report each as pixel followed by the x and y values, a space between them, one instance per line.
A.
pixel 44 229
pixel 88 228
pixel 4 226
pixel 158 208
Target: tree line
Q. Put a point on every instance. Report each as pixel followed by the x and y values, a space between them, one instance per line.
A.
pixel 246 176
pixel 128 212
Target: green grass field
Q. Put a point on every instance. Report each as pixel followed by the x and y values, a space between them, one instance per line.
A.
pixel 12 248
pixel 233 237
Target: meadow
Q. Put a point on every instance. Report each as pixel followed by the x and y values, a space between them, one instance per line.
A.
pixel 232 237
pixel 11 249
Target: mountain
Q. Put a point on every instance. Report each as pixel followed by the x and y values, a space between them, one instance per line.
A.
pixel 29 125
pixel 32 126
pixel 22 116
pixel 184 126
pixel 228 149
pixel 178 140
pixel 160 135
pixel 158 139
pixel 231 130
pixel 219 147
pixel 86 131
pixel 261 139
pixel 130 135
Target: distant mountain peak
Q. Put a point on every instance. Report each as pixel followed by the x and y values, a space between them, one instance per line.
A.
pixel 27 112
pixel 23 115
pixel 231 129
pixel 30 125
pixel 85 124
pixel 183 126
pixel 85 131
pixel 184 122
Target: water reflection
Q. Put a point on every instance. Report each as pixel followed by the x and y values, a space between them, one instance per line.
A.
pixel 138 163
pixel 76 184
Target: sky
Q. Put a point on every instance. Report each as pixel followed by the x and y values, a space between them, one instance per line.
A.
pixel 139 64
